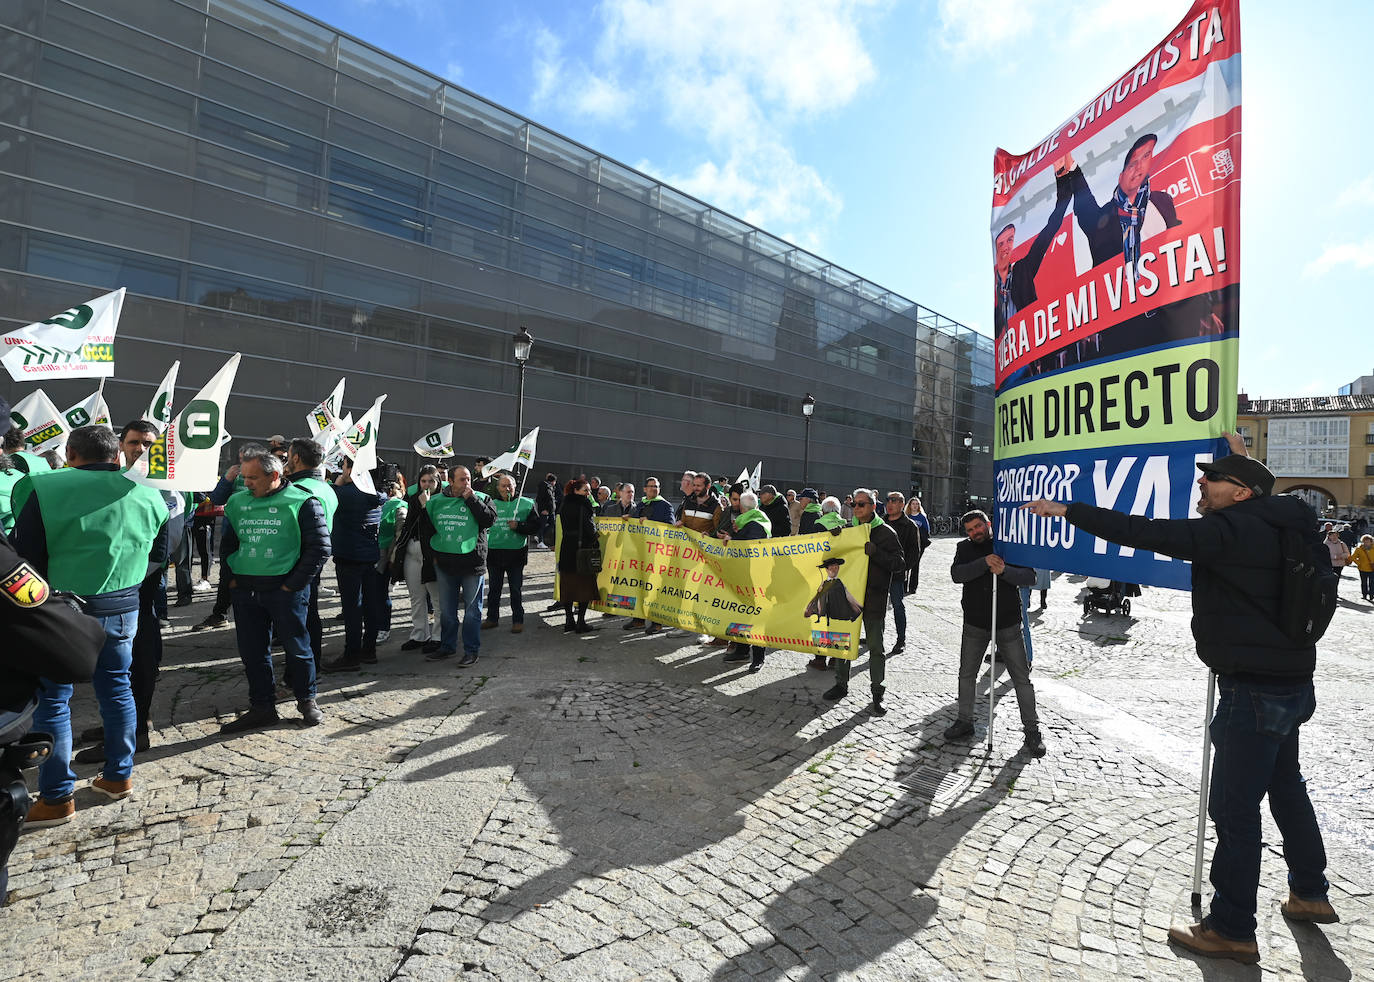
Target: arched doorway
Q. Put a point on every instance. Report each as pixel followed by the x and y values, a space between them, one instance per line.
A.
pixel 1323 502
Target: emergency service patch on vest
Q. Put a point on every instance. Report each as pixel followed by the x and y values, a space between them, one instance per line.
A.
pixel 24 587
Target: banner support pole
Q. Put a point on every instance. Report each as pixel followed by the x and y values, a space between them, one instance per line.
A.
pixel 992 668
pixel 1204 787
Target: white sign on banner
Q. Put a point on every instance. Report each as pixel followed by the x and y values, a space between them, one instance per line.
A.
pixel 360 446
pixel 159 411
pixel 91 411
pixel 436 443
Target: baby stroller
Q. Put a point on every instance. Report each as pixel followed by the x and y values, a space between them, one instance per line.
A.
pixel 1109 596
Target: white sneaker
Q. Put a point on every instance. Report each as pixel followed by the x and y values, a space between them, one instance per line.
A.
pixel 203 586
pixel 383 637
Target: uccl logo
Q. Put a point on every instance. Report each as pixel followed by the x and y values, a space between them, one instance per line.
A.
pixel 200 427
pixel 78 417
pixel 162 407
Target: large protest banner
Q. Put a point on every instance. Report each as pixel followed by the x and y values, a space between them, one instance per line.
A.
pixel 1116 254
pixel 751 591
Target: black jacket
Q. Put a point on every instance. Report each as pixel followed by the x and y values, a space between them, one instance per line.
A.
pixel 575 517
pixel 885 560
pixel 1236 556
pixel 969 569
pixel 909 535
pixel 357 520
pixel 778 515
pixel 418 526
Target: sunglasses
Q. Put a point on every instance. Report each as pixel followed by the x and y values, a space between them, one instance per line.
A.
pixel 1217 477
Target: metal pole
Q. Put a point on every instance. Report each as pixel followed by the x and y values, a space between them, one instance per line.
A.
pixel 520 405
pixel 992 669
pixel 806 452
pixel 1204 786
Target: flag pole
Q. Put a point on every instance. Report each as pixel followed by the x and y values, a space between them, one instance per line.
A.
pixel 992 669
pixel 1204 787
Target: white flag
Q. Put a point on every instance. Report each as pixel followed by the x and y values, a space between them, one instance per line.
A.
pixel 186 456
pixel 332 441
pixel 521 453
pixel 743 477
pixel 160 409
pixel 39 422
pixel 90 412
pixel 77 343
pixel 754 484
pixel 360 445
pixel 325 416
pixel 436 443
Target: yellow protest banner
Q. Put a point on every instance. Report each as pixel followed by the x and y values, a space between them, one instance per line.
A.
pixel 751 591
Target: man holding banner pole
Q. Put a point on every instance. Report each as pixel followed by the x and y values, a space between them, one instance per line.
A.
pixel 1265 678
pixel 978 567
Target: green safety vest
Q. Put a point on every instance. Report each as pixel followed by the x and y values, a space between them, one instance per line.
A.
pixel 386 531
pixel 100 527
pixel 328 500
pixel 239 485
pixel 830 520
pixel 268 529
pixel 30 463
pixel 8 479
pixel 515 510
pixel 456 530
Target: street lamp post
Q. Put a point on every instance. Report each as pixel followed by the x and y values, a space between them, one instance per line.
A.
pixel 808 407
pixel 524 342
pixel 968 471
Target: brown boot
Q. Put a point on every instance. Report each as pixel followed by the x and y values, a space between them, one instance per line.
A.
pixel 1315 911
pixel 112 789
pixel 46 813
pixel 1202 940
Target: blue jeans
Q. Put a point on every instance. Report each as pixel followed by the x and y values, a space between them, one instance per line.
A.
pixel 114 695
pixel 897 591
pixel 1025 624
pixel 360 594
pixel 1255 752
pixel 466 592
pixel 260 615
pixel 498 572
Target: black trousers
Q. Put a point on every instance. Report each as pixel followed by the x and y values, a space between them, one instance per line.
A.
pixel 147 650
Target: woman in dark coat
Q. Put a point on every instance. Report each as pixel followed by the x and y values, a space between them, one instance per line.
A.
pixel 575 518
pixel 417 564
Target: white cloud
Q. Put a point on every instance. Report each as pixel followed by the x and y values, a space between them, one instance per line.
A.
pixel 737 77
pixel 453 71
pixel 572 84
pixel 971 26
pixel 1359 193
pixel 1357 254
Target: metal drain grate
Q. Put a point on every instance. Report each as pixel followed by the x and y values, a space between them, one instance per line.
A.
pixel 933 784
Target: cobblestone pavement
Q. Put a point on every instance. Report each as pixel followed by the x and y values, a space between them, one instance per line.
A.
pixel 616 806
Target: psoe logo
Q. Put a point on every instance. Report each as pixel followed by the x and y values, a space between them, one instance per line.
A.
pixel 830 639
pixel 738 630
pixel 620 602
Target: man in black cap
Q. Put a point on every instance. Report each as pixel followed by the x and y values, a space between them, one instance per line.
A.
pixel 1265 679
pixel 810 513
pixel 775 508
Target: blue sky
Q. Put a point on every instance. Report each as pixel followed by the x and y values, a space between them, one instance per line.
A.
pixel 863 130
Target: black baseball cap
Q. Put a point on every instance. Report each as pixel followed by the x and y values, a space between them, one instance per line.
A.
pixel 1246 471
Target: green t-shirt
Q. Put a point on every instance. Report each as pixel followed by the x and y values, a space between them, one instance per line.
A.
pixel 329 501
pixel 386 531
pixel 100 527
pixel 268 530
pixel 455 527
pixel 516 510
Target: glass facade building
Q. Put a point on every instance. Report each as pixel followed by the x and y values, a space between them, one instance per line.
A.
pixel 262 183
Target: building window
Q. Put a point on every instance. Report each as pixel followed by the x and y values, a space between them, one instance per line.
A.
pixel 1310 447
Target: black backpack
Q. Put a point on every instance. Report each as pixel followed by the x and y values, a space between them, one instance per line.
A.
pixel 1307 587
